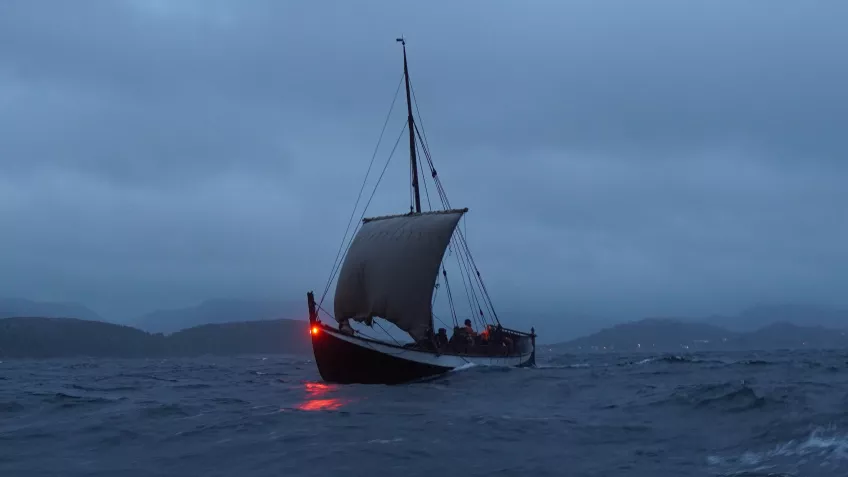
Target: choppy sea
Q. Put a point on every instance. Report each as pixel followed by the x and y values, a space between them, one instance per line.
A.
pixel 746 414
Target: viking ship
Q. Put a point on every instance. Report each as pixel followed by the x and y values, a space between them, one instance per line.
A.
pixel 392 269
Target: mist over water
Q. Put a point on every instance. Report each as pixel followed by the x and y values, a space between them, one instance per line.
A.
pixel 710 414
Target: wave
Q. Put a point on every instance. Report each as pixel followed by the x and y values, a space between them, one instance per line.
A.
pixel 164 411
pixel 10 407
pixel 464 367
pixel 675 358
pixel 192 386
pixel 666 358
pixel 80 387
pixel 692 359
pixel 568 362
pixel 646 413
pixel 754 362
pixel 723 397
pixel 825 448
pixel 229 400
pixel 64 400
pixel 737 399
pixel 83 365
pixel 147 376
pixel 563 366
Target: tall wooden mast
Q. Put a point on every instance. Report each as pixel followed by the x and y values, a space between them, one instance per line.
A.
pixel 411 126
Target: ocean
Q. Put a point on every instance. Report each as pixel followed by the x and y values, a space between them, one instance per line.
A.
pixel 705 414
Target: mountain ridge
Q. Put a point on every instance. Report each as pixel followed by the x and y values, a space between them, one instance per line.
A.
pixel 750 328
pixel 40 337
pixel 217 310
pixel 13 307
pixel 165 320
pixel 668 334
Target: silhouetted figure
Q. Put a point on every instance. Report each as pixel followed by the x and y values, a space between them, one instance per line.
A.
pixel 469 329
pixel 442 338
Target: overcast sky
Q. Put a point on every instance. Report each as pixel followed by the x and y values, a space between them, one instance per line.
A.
pixel 618 158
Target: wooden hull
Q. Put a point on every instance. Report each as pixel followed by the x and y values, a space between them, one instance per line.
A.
pixel 346 359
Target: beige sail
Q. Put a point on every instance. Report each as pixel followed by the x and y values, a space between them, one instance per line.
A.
pixel 391 268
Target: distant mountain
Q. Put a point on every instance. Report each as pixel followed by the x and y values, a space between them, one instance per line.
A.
pixel 764 315
pixel 250 337
pixel 675 335
pixel 791 336
pixel 800 315
pixel 11 307
pixel 652 334
pixel 36 337
pixel 218 311
pixel 68 337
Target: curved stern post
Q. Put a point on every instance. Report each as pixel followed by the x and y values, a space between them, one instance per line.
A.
pixel 532 361
pixel 313 311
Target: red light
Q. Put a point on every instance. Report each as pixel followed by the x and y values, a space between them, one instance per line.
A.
pixel 314 330
pixel 318 396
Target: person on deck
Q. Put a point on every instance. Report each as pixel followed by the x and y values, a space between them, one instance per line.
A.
pixel 469 329
pixel 442 338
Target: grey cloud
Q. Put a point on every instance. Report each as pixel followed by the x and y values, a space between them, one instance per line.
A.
pixel 654 157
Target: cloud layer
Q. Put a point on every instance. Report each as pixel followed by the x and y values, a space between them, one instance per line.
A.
pixel 647 158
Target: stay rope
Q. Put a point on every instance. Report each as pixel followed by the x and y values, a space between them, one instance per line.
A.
pixel 472 281
pixel 338 264
pixel 469 272
pixel 362 188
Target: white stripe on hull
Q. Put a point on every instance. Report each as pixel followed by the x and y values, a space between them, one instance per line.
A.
pixel 444 360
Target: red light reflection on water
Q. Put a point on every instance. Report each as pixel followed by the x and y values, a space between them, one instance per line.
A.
pixel 320 405
pixel 319 388
pixel 317 398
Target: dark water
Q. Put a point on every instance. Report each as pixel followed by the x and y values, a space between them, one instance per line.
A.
pixel 760 414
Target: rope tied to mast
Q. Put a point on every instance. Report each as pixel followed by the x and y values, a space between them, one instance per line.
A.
pixel 474 287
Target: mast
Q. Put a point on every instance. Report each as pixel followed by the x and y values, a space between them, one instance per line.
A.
pixel 411 126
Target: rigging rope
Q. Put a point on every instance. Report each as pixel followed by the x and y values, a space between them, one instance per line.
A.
pixel 450 296
pixel 465 265
pixel 423 181
pixel 479 277
pixel 473 302
pixel 463 243
pixel 386 332
pixel 320 308
pixel 464 285
pixel 420 118
pixel 364 181
pixel 464 259
pixel 411 190
pixel 362 216
pixel 440 320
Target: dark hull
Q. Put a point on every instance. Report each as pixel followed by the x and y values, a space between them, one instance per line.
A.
pixel 342 362
pixel 345 359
